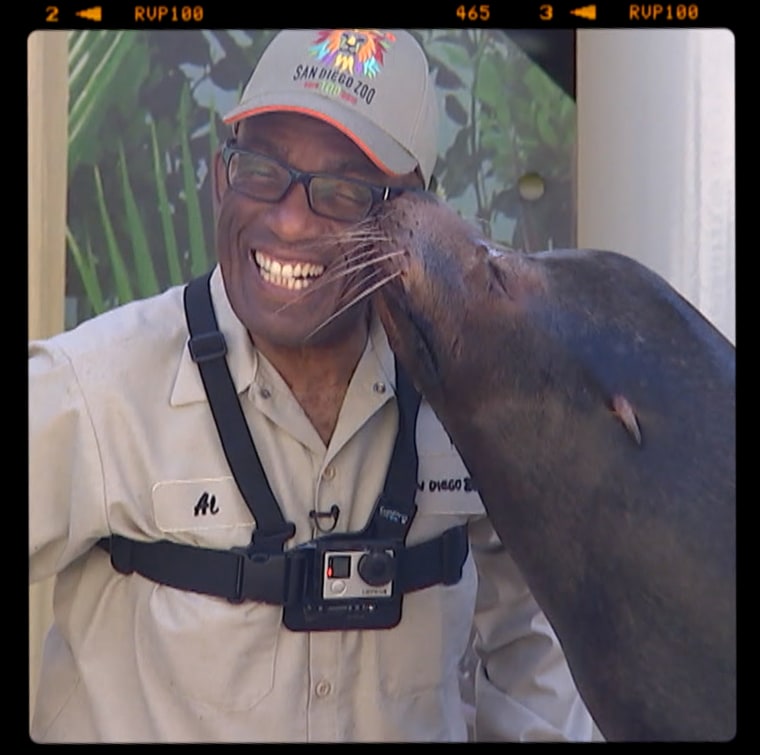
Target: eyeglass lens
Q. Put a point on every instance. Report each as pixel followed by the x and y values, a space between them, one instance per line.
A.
pixel 262 178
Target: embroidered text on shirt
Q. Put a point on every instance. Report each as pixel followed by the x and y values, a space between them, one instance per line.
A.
pixel 461 483
pixel 205 504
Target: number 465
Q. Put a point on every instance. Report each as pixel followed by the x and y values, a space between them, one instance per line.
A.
pixel 474 13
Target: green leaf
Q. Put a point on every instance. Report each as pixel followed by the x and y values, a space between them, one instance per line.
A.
pixel 538 82
pixel 489 86
pixel 95 62
pixel 213 136
pixel 454 54
pixel 167 225
pixel 86 269
pixel 198 260
pixel 147 283
pixel 121 277
pixel 545 128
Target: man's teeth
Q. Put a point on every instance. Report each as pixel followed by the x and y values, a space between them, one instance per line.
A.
pixel 287 275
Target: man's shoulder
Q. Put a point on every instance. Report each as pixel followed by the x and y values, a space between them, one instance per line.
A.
pixel 145 329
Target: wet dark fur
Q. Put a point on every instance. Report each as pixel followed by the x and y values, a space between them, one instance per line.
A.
pixel 627 544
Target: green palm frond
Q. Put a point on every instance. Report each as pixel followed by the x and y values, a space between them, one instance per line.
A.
pixel 97 65
pixel 199 262
pixel 167 224
pixel 147 283
pixel 85 263
pixel 124 290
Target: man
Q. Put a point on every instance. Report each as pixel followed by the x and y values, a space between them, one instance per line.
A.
pixel 125 453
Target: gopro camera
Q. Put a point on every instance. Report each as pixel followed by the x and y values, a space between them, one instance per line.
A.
pixel 347 584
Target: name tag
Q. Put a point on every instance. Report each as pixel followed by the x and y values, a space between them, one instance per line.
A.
pixel 203 505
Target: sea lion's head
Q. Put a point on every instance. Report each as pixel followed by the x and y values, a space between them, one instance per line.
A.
pixel 453 288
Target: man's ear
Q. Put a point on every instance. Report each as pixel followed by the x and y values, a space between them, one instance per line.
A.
pixel 218 182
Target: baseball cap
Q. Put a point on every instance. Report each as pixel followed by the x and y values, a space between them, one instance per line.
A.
pixel 373 85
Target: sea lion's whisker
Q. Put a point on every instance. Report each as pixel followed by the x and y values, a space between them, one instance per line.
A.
pixel 349 266
pixel 363 295
pixel 349 263
pixel 359 285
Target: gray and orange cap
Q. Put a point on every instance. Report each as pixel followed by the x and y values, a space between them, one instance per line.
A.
pixel 373 85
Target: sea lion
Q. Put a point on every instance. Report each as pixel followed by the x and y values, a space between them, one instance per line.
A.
pixel 595 410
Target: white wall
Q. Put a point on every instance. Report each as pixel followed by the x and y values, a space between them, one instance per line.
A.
pixel 656 157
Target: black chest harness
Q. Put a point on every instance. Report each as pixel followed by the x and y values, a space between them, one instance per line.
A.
pixel 338 581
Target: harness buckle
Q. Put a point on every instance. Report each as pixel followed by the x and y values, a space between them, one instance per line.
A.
pixel 207 346
pixel 262 568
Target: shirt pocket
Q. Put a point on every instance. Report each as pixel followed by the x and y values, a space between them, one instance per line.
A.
pixel 199 647
pixel 420 655
pixel 206 649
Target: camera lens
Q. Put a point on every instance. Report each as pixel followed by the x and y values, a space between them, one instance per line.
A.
pixel 376 568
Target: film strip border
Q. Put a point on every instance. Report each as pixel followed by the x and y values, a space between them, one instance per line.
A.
pixel 525 14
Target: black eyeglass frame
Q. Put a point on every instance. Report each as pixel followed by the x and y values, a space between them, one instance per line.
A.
pixel 379 193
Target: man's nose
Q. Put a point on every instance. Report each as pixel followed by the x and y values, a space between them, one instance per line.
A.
pixel 291 218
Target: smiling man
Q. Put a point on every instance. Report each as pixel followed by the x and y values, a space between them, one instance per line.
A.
pixel 271 244
pixel 322 582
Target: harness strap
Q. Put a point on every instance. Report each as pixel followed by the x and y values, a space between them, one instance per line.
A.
pixel 395 511
pixel 208 349
pixel 275 578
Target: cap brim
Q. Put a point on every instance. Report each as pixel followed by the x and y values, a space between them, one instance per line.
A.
pixel 384 151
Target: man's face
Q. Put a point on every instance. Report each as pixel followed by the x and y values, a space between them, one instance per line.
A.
pixel 253 237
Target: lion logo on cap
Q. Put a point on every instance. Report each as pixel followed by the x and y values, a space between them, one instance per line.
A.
pixel 355 51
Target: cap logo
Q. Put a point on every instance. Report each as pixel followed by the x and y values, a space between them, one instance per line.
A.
pixel 356 51
pixel 348 57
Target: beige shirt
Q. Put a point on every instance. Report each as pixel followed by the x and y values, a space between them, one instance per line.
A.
pixel 122 441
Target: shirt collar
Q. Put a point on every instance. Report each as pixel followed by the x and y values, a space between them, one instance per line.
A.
pixel 376 364
pixel 242 358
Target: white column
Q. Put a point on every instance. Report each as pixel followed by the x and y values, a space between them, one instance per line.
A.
pixel 656 157
pixel 48 88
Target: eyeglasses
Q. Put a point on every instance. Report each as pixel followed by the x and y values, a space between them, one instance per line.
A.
pixel 266 179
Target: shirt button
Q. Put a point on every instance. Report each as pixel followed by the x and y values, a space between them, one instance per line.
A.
pixel 379 387
pixel 329 472
pixel 323 688
pixel 264 392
